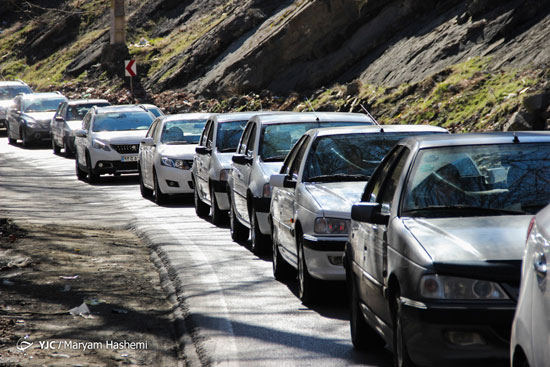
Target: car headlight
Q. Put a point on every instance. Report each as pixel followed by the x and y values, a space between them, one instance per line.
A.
pixel 446 287
pixel 331 226
pixel 224 174
pixel 30 122
pixel 267 190
pixel 98 144
pixel 175 163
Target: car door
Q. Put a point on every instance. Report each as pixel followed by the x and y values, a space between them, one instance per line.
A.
pixel 144 158
pixel 58 121
pixel 241 172
pixel 82 142
pixel 205 159
pixel 540 297
pixel 372 238
pixel 287 199
pixel 14 117
pixel 151 154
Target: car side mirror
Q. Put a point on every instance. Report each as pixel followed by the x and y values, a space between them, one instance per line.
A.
pixel 281 180
pixel 148 141
pixel 81 133
pixel 369 213
pixel 203 150
pixel 59 118
pixel 241 159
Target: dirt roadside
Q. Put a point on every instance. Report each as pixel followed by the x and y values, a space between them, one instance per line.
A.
pixel 45 271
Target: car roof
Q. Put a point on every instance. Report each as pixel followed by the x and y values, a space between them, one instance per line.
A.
pixel 43 95
pixel 432 141
pixel 74 102
pixel 186 116
pixel 313 117
pixel 10 83
pixel 240 116
pixel 120 108
pixel 340 130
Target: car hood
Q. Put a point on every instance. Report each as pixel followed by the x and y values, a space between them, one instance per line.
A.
pixel 74 124
pixel 270 168
pixel 336 196
pixel 40 116
pixel 121 137
pixel 225 159
pixel 472 239
pixel 183 151
pixel 5 103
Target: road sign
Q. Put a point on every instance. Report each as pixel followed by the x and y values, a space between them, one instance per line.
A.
pixel 130 68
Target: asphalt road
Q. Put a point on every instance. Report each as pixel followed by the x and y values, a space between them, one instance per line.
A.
pixel 241 315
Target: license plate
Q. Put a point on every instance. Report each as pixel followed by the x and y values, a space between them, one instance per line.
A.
pixel 129 158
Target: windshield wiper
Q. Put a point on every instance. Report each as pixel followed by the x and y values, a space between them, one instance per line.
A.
pixel 177 142
pixel 338 177
pixel 228 150
pixel 275 158
pixel 467 208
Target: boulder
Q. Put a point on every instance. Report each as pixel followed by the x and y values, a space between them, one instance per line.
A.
pixel 537 102
pixel 520 121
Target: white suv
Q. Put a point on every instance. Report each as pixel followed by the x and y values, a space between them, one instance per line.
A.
pixel 108 142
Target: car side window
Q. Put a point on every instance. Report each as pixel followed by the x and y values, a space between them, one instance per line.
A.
pixel 64 110
pixel 17 104
pixel 251 141
pixel 209 143
pixel 285 169
pixel 158 130
pixel 295 168
pixel 87 122
pixel 202 141
pixel 59 109
pixel 390 184
pixel 152 129
pixel 375 183
pixel 244 138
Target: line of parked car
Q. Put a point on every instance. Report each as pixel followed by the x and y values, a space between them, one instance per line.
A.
pixel 428 229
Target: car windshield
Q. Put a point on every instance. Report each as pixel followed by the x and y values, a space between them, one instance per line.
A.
pixel 228 135
pixel 182 131
pixel 10 92
pixel 77 112
pixel 348 157
pixel 479 180
pixel 42 104
pixel 277 139
pixel 121 121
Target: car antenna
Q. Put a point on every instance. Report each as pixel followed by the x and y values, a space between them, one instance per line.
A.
pixel 311 108
pixel 516 139
pixel 371 116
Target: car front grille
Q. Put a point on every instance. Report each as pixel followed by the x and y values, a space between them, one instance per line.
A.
pixel 126 148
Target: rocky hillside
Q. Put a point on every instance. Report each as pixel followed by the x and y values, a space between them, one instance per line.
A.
pixel 466 65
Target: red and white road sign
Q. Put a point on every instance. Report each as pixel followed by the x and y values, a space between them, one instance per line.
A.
pixel 130 68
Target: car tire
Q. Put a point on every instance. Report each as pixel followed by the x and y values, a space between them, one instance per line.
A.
pixel 80 174
pixel 55 148
pixel 66 150
pixel 145 192
pixel 239 233
pixel 160 197
pixel 11 140
pixel 218 216
pixel 201 209
pixel 282 271
pixel 260 242
pixel 400 355
pixel 363 337
pixel 307 286
pixel 24 138
pixel 92 177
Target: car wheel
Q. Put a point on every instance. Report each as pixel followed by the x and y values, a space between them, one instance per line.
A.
pixel 11 140
pixel 92 177
pixel 55 148
pixel 239 233
pixel 400 354
pixel 66 149
pixel 145 192
pixel 201 209
pixel 218 216
pixel 160 197
pixel 281 269
pixel 307 286
pixel 24 138
pixel 80 174
pixel 363 336
pixel 260 242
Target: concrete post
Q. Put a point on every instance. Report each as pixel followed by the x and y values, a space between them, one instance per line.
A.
pixel 118 22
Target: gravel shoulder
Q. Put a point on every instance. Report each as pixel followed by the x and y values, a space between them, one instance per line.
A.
pixel 47 270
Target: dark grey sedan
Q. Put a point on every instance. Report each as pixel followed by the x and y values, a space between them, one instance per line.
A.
pixel 434 253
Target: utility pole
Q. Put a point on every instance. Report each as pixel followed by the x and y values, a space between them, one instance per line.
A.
pixel 118 22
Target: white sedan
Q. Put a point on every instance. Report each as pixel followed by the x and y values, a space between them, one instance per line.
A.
pixel 166 155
